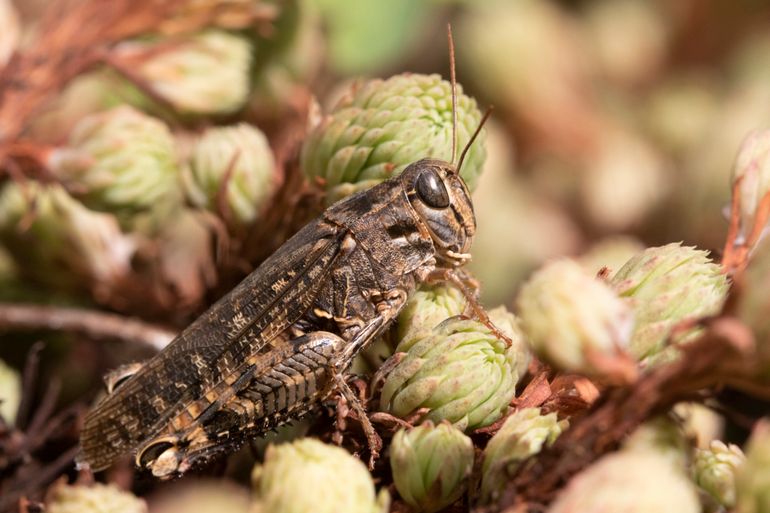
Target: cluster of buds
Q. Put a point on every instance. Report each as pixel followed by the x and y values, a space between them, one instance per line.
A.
pixel 382 126
pixel 460 371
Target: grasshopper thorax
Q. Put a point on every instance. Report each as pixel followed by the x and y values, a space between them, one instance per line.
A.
pixel 441 199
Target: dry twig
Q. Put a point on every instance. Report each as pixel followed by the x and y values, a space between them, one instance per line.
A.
pixel 90 323
pixel 722 356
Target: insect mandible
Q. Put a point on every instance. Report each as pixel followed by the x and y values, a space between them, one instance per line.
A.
pixel 280 341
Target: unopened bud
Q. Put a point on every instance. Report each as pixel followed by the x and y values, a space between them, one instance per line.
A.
pixel 629 481
pixel 460 371
pixel 522 435
pixel 430 465
pixel 308 475
pixel 667 286
pixel 382 126
pixel 715 468
pixel 576 322
pixel 239 159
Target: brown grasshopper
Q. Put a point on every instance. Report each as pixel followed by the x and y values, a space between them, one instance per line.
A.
pixel 279 343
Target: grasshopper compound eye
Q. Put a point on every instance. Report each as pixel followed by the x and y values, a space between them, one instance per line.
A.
pixel 431 190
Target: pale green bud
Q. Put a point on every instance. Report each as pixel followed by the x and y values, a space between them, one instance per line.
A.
pixel 631 482
pixel 754 304
pixel 382 126
pixel 714 470
pixel 65 243
pixel 430 465
pixel 522 435
pixel 310 476
pixel 207 73
pixel 575 321
pixel 97 498
pixel 122 160
pixel 663 436
pixel 10 393
pixel 610 253
pixel 426 309
pixel 665 286
pixel 238 158
pixel 752 481
pixel 460 371
pixel 752 168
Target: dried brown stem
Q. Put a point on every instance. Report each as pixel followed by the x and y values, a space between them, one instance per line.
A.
pixel 92 324
pixel 720 356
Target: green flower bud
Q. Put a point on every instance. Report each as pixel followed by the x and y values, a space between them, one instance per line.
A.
pixel 206 74
pixel 714 470
pixel 10 393
pixel 239 158
pixel 10 30
pixel 430 465
pixel 382 126
pixel 575 321
pixel 460 371
pixel 97 498
pixel 65 243
pixel 611 252
pixel 631 482
pixel 522 435
pixel 665 286
pixel 752 168
pixel 426 309
pixel 752 481
pixel 754 305
pixel 308 475
pixel 122 159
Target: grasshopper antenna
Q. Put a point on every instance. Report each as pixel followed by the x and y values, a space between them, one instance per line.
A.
pixel 453 78
pixel 484 119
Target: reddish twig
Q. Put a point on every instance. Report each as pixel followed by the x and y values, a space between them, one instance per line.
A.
pixel 723 355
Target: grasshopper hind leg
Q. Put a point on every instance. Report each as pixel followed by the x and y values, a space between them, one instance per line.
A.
pixel 279 392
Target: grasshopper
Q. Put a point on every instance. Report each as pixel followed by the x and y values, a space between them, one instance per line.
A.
pixel 279 343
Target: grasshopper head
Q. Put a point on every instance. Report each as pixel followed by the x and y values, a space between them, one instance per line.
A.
pixel 441 199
